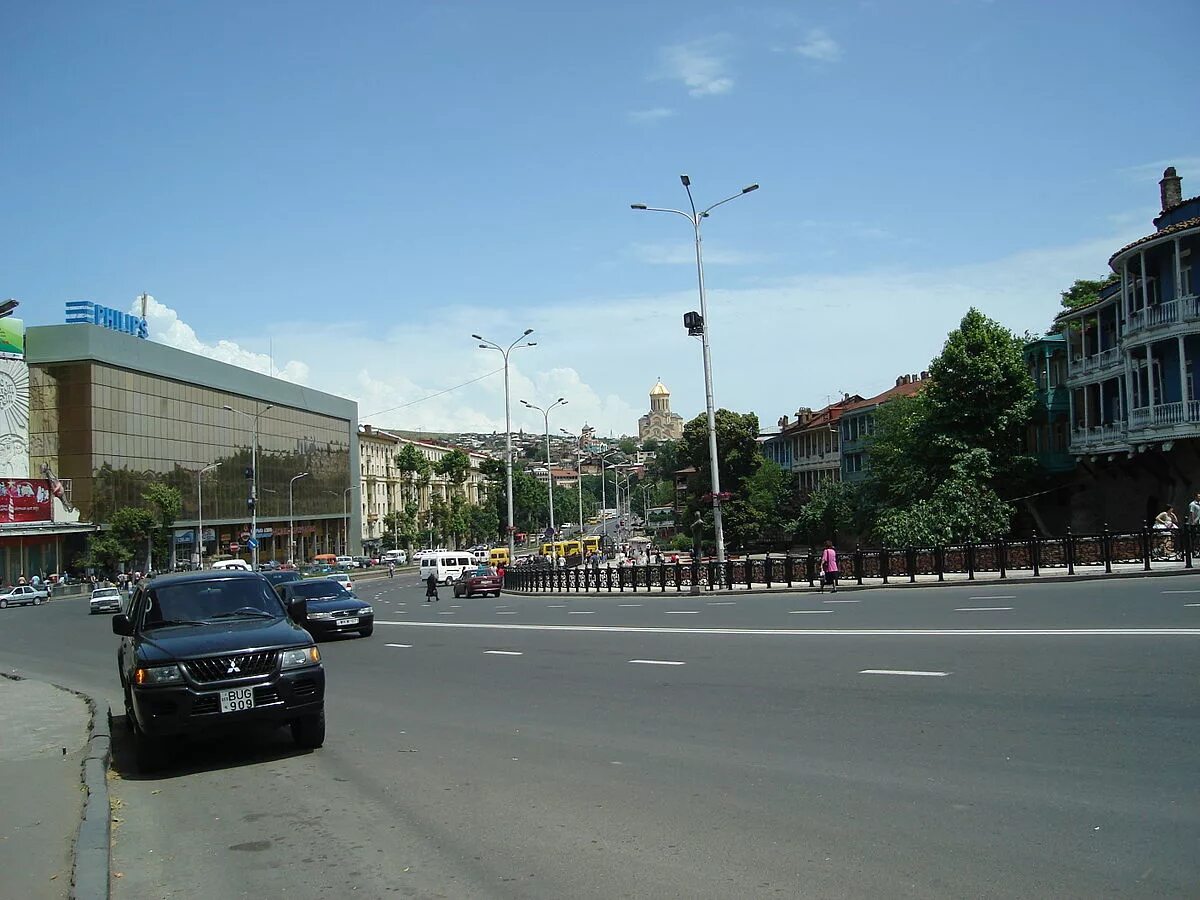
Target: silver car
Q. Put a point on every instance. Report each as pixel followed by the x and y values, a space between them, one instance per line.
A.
pixel 22 595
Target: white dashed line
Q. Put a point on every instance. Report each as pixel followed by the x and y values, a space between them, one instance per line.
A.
pixel 504 652
pixel 841 601
pixel 682 612
pixel 556 606
pixel 807 612
pixel 628 605
pixel 657 662
pixel 902 672
pixel 506 612
pixel 405 646
pixel 1182 592
pixel 580 612
pixel 1013 597
pixel 984 609
pixel 445 612
pixel 722 603
pixel 1191 604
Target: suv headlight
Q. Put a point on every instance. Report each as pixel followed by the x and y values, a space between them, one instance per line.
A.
pixel 320 615
pixel 306 656
pixel 365 611
pixel 152 675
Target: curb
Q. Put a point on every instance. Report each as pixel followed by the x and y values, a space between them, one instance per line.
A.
pixel 802 587
pixel 90 879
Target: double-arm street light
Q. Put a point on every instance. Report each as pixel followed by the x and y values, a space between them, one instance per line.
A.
pixel 603 497
pixel 549 465
pixel 695 218
pixel 578 479
pixel 200 513
pixel 292 519
pixel 253 502
pixel 485 344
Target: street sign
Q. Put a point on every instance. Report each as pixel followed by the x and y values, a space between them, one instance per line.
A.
pixel 252 544
pixel 234 548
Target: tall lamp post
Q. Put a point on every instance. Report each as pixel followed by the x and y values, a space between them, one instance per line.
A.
pixel 346 520
pixel 702 326
pixel 603 498
pixel 200 513
pixel 253 502
pixel 578 481
pixel 549 466
pixel 292 519
pixel 485 344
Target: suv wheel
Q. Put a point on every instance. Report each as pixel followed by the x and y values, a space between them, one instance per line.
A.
pixel 147 751
pixel 309 731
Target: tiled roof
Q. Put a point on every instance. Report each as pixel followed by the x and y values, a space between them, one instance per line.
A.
pixel 899 390
pixel 1193 222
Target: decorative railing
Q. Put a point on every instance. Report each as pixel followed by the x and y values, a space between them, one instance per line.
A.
pixel 1097 435
pixel 1035 554
pixel 1158 315
pixel 1166 415
pixel 1082 365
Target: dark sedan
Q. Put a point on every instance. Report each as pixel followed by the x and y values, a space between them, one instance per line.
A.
pixel 482 580
pixel 331 608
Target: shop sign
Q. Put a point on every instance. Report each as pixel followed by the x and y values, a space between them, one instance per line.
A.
pixel 85 312
pixel 24 500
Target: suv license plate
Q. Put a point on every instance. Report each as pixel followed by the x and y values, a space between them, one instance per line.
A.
pixel 237 699
pixel 341 622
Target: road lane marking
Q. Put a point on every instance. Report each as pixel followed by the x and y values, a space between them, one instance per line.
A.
pixel 1191 604
pixel 1182 592
pixel 398 645
pixel 722 603
pixel 682 612
pixel 628 605
pixel 580 612
pixel 822 632
pixel 657 662
pixel 997 597
pixel 984 609
pixel 841 601
pixel 504 652
pixel 506 612
pixel 557 606
pixel 902 672
pixel 807 612
pixel 445 612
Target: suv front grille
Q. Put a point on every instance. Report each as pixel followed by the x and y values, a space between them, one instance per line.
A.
pixel 227 668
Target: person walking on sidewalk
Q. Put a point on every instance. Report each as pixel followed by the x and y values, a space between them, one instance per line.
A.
pixel 431 593
pixel 829 567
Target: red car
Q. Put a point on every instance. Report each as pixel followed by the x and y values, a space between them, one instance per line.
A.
pixel 482 580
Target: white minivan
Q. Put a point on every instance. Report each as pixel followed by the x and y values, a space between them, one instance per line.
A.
pixel 344 562
pixel 445 565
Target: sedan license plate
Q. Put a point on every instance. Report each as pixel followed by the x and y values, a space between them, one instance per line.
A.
pixel 341 622
pixel 237 699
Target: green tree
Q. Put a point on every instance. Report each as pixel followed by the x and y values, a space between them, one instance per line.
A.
pixel 829 511
pixel 133 526
pixel 166 504
pixel 771 503
pixel 413 466
pixel 484 522
pixel 738 461
pixel 455 466
pixel 1086 291
pixel 627 445
pixel 105 552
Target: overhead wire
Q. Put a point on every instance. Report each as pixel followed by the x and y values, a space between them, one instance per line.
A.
pixel 436 394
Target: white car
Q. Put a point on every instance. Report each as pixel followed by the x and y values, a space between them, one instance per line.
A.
pixel 105 599
pixel 343 579
pixel 22 595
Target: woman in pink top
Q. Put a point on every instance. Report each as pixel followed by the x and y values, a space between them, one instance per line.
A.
pixel 829 567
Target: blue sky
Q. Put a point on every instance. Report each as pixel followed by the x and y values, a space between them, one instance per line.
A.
pixel 352 189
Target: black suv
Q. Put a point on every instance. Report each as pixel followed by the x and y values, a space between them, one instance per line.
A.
pixel 207 651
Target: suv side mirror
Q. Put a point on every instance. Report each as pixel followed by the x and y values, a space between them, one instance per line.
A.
pixel 298 610
pixel 121 624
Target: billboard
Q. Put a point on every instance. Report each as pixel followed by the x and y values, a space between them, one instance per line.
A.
pixel 24 500
pixel 12 338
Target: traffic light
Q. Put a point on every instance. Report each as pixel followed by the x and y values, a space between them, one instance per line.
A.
pixel 249 472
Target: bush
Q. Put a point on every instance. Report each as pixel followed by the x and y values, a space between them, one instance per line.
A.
pixel 681 542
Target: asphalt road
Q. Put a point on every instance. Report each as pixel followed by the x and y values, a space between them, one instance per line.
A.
pixel 1041 742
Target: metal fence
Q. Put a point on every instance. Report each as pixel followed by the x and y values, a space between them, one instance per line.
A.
pixel 1034 554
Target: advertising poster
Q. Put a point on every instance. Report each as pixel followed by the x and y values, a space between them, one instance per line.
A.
pixel 24 500
pixel 12 338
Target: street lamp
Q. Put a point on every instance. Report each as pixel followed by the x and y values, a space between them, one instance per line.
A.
pixel 292 519
pixel 603 497
pixel 578 481
pixel 485 344
pixel 695 218
pixel 549 466
pixel 200 513
pixel 346 520
pixel 253 479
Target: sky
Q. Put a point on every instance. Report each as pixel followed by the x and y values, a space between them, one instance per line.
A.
pixel 341 194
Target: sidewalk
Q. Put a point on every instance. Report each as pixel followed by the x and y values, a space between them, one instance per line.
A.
pixel 43 741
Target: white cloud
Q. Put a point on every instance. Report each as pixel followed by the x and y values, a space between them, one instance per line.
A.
pixel 656 114
pixel 776 346
pixel 685 254
pixel 699 65
pixel 165 326
pixel 818 45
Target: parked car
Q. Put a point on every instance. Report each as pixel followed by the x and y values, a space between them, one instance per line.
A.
pixel 206 652
pixel 331 609
pixel 362 562
pixel 22 595
pixel 482 580
pixel 105 599
pixel 282 576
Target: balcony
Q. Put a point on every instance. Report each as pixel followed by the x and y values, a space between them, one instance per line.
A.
pixel 1178 417
pixel 1098 437
pixel 1162 316
pixel 1082 366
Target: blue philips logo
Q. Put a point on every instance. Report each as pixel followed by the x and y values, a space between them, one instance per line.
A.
pixel 85 312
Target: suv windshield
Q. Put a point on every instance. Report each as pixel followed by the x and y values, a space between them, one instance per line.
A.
pixel 319 590
pixel 199 601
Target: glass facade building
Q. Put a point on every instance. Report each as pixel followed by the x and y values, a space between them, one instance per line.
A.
pixel 114 413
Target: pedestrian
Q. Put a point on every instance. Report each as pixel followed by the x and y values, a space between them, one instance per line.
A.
pixel 391 570
pixel 1194 510
pixel 431 588
pixel 1166 523
pixel 829 567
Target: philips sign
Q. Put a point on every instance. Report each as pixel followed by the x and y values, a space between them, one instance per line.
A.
pixel 85 312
